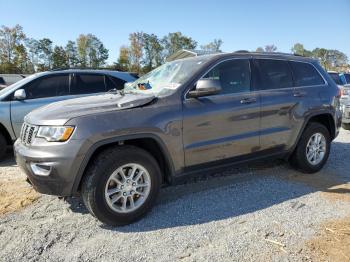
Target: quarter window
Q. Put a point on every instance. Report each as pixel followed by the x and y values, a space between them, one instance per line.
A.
pixel 274 74
pixel 88 84
pixel 305 74
pixel 234 76
pixel 114 83
pixel 49 86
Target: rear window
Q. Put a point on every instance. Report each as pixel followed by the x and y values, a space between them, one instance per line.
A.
pixel 274 74
pixel 305 74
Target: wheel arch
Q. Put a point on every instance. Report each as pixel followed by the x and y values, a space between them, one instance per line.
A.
pixel 149 142
pixel 6 134
pixel 325 118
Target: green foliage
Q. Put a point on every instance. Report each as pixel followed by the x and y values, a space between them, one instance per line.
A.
pixel 213 46
pixel 45 54
pixel 176 41
pixel 72 54
pixel 19 54
pixel 59 57
pixel 153 51
pixel 136 51
pixel 91 51
pixel 123 63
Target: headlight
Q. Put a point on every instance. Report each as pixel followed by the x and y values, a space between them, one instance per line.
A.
pixel 55 133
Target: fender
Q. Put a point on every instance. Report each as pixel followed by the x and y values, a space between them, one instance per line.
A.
pixel 113 140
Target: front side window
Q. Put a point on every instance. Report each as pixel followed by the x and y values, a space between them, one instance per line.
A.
pixel 305 74
pixel 49 86
pixel 88 84
pixel 274 74
pixel 234 76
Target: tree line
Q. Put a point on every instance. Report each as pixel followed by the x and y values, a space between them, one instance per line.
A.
pixel 144 52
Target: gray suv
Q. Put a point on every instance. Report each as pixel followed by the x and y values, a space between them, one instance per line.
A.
pixel 40 89
pixel 185 117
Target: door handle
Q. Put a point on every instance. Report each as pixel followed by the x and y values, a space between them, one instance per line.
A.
pixel 298 94
pixel 248 100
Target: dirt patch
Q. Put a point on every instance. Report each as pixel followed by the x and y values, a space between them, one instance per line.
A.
pixel 331 186
pixel 332 242
pixel 15 194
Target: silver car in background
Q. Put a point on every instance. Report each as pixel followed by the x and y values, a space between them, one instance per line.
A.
pixel 40 89
pixel 343 81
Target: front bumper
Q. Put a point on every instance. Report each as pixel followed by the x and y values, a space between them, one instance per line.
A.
pixel 64 162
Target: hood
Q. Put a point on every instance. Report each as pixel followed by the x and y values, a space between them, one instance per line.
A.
pixel 60 112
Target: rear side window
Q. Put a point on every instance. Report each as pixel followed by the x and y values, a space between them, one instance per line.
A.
pixel 49 86
pixel 274 74
pixel 88 84
pixel 114 83
pixel 305 74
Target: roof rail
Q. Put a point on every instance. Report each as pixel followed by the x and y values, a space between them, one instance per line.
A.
pixel 266 53
pixel 241 51
pixel 79 68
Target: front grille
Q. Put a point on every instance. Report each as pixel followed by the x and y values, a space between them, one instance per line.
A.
pixel 28 132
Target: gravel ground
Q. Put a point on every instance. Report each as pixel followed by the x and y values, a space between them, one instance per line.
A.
pixel 255 212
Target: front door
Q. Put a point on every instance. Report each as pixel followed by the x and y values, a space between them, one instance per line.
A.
pixel 226 125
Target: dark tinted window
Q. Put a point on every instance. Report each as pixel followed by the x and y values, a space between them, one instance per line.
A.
pixel 274 74
pixel 305 74
pixel 347 78
pixel 2 81
pixel 48 87
pixel 336 78
pixel 114 83
pixel 234 76
pixel 88 84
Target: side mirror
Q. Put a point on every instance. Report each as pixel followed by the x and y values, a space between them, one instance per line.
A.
pixel 20 94
pixel 206 87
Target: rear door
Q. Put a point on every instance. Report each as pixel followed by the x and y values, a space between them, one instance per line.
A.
pixel 275 82
pixel 226 125
pixel 39 92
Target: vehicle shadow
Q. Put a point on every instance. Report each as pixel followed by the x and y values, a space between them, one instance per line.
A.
pixel 9 159
pixel 240 190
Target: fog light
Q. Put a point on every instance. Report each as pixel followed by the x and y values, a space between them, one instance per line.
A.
pixel 41 169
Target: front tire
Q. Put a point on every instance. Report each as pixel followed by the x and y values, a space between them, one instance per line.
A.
pixel 313 149
pixel 346 126
pixel 121 185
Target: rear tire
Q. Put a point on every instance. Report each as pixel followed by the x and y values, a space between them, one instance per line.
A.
pixel 132 174
pixel 346 126
pixel 3 146
pixel 303 158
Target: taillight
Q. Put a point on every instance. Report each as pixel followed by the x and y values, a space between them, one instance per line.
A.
pixel 344 91
pixel 340 92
